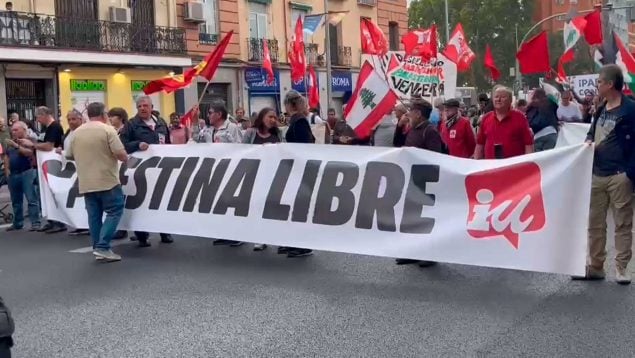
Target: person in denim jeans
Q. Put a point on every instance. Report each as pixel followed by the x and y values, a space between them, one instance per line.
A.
pixel 96 147
pixel 21 179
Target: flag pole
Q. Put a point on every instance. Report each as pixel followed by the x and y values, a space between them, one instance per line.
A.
pixel 327 53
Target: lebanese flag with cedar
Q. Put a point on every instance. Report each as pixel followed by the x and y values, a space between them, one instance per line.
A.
pixel 573 31
pixel 313 89
pixel 370 101
pixel 458 50
pixel 422 43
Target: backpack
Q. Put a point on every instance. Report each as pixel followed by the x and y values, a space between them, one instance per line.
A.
pixel 7 326
pixel 444 147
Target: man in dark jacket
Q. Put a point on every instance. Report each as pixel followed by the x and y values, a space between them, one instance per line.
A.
pixel 613 132
pixel 422 134
pixel 543 121
pixel 142 130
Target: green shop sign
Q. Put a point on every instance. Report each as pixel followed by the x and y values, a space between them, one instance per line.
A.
pixel 137 86
pixel 88 86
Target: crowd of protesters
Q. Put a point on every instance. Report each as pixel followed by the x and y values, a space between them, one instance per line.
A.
pixel 495 129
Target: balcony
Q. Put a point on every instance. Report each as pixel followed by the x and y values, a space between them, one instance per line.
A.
pixel 47 31
pixel 367 2
pixel 207 39
pixel 256 50
pixel 341 56
pixel 311 51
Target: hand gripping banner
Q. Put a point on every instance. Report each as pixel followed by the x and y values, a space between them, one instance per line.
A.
pixel 526 213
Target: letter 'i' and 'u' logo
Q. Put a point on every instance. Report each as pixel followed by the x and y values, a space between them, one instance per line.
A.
pixel 505 202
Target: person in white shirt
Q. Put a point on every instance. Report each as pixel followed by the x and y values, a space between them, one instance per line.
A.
pixel 568 110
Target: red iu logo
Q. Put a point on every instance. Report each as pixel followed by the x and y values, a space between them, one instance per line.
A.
pixel 505 202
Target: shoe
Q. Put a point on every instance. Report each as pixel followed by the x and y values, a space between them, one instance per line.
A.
pixel 221 242
pixel 55 229
pixel 622 276
pixel 34 228
pixel 424 263
pixel 260 247
pixel 235 243
pixel 45 228
pixel 406 261
pixel 283 250
pixel 299 253
pixel 133 238
pixel 106 255
pixel 592 274
pixel 78 232
pixel 143 243
pixel 120 235
pixel 13 228
pixel 167 239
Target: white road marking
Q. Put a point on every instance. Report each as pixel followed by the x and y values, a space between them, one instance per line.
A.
pixel 85 250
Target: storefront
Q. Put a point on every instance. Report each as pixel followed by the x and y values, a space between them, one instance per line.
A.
pixel 341 89
pixel 80 86
pixel 262 94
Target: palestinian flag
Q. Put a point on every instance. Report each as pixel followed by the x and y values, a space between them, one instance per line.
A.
pixel 369 103
pixel 625 60
pixel 553 91
pixel 598 59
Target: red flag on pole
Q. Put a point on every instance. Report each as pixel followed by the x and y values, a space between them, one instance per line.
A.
pixel 208 66
pixel 296 56
pixel 373 40
pixel 565 58
pixel 490 64
pixel 458 50
pixel 533 56
pixel 313 89
pixel 421 43
pixel 266 62
pixel 593 29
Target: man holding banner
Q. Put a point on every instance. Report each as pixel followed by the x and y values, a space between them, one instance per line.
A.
pixel 613 132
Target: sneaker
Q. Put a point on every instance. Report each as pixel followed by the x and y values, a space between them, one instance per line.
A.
pixel 34 228
pixel 221 242
pixel 235 243
pixel 299 253
pixel 260 247
pixel 592 274
pixel 13 228
pixel 406 261
pixel 55 229
pixel 107 255
pixel 167 239
pixel 46 227
pixel 120 235
pixel 78 232
pixel 425 264
pixel 143 243
pixel 622 276
pixel 283 250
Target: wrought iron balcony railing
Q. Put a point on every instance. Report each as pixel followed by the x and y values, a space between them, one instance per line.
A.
pixel 37 30
pixel 256 50
pixel 367 2
pixel 341 57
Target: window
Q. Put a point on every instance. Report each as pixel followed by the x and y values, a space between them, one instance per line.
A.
pixel 258 19
pixel 210 12
pixel 393 34
pixel 295 13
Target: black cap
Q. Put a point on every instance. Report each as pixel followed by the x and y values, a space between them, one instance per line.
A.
pixel 452 102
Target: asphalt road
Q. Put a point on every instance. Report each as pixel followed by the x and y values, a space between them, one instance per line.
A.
pixel 191 299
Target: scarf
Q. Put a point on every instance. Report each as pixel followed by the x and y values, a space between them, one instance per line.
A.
pixel 452 121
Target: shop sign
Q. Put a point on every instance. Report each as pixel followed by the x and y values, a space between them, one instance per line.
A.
pixel 88 85
pixel 341 81
pixel 256 79
pixel 138 86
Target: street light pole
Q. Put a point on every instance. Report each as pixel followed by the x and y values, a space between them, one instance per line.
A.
pixel 447 23
pixel 327 53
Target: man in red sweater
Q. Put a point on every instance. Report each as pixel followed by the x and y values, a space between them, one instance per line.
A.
pixel 456 131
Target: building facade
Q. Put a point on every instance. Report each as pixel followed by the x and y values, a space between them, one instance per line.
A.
pixel 240 80
pixel 67 53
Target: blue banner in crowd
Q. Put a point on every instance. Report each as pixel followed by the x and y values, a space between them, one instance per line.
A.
pixel 256 79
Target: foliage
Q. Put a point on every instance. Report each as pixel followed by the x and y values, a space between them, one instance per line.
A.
pixel 494 22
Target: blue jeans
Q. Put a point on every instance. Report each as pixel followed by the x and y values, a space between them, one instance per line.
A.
pixel 110 202
pixel 20 186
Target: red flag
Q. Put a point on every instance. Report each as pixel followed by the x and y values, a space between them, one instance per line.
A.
pixel 421 43
pixel 296 55
pixel 490 64
pixel 565 58
pixel 205 68
pixel 313 89
pixel 593 29
pixel 458 50
pixel 373 40
pixel 266 63
pixel 208 66
pixel 533 56
pixel 189 117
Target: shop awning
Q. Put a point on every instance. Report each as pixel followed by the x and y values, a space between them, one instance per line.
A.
pixel 32 55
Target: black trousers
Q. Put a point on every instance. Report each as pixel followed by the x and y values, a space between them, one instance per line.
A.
pixel 5 347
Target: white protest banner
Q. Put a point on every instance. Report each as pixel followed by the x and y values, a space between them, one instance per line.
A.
pixel 413 78
pixel 572 134
pixel 527 213
pixel 584 85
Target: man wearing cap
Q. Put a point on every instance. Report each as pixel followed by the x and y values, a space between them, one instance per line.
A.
pixel 456 131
